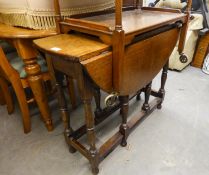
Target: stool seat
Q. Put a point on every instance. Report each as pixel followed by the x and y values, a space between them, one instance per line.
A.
pixel 83 47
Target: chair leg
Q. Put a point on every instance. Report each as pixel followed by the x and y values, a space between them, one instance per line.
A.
pixel 7 95
pixel 2 99
pixel 21 97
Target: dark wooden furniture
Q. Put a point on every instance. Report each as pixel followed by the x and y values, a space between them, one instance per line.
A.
pixel 201 51
pixel 120 53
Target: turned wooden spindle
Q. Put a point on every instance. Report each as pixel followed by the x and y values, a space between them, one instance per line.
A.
pixel 35 80
pixel 164 78
pixel 64 111
pixel 124 130
pixel 91 136
pixel 163 81
pixel 86 91
pixel 146 106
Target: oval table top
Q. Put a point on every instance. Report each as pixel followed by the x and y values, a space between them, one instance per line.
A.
pixel 9 32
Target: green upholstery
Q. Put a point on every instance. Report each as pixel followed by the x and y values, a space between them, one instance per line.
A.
pixel 6 47
pixel 17 63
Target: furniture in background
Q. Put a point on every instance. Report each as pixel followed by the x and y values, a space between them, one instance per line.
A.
pixel 178 61
pixel 21 39
pixel 98 51
pixel 201 51
pixel 202 45
pixel 36 14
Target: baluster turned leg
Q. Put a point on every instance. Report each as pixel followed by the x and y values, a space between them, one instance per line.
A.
pixel 148 89
pixel 124 130
pixel 34 77
pixel 64 111
pixel 163 81
pixel 97 97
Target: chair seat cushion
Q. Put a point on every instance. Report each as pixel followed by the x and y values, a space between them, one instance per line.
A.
pixel 17 63
pixel 6 47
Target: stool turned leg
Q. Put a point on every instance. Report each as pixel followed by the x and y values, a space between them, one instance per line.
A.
pixel 97 97
pixel 163 81
pixel 124 113
pixel 148 89
pixel 64 112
